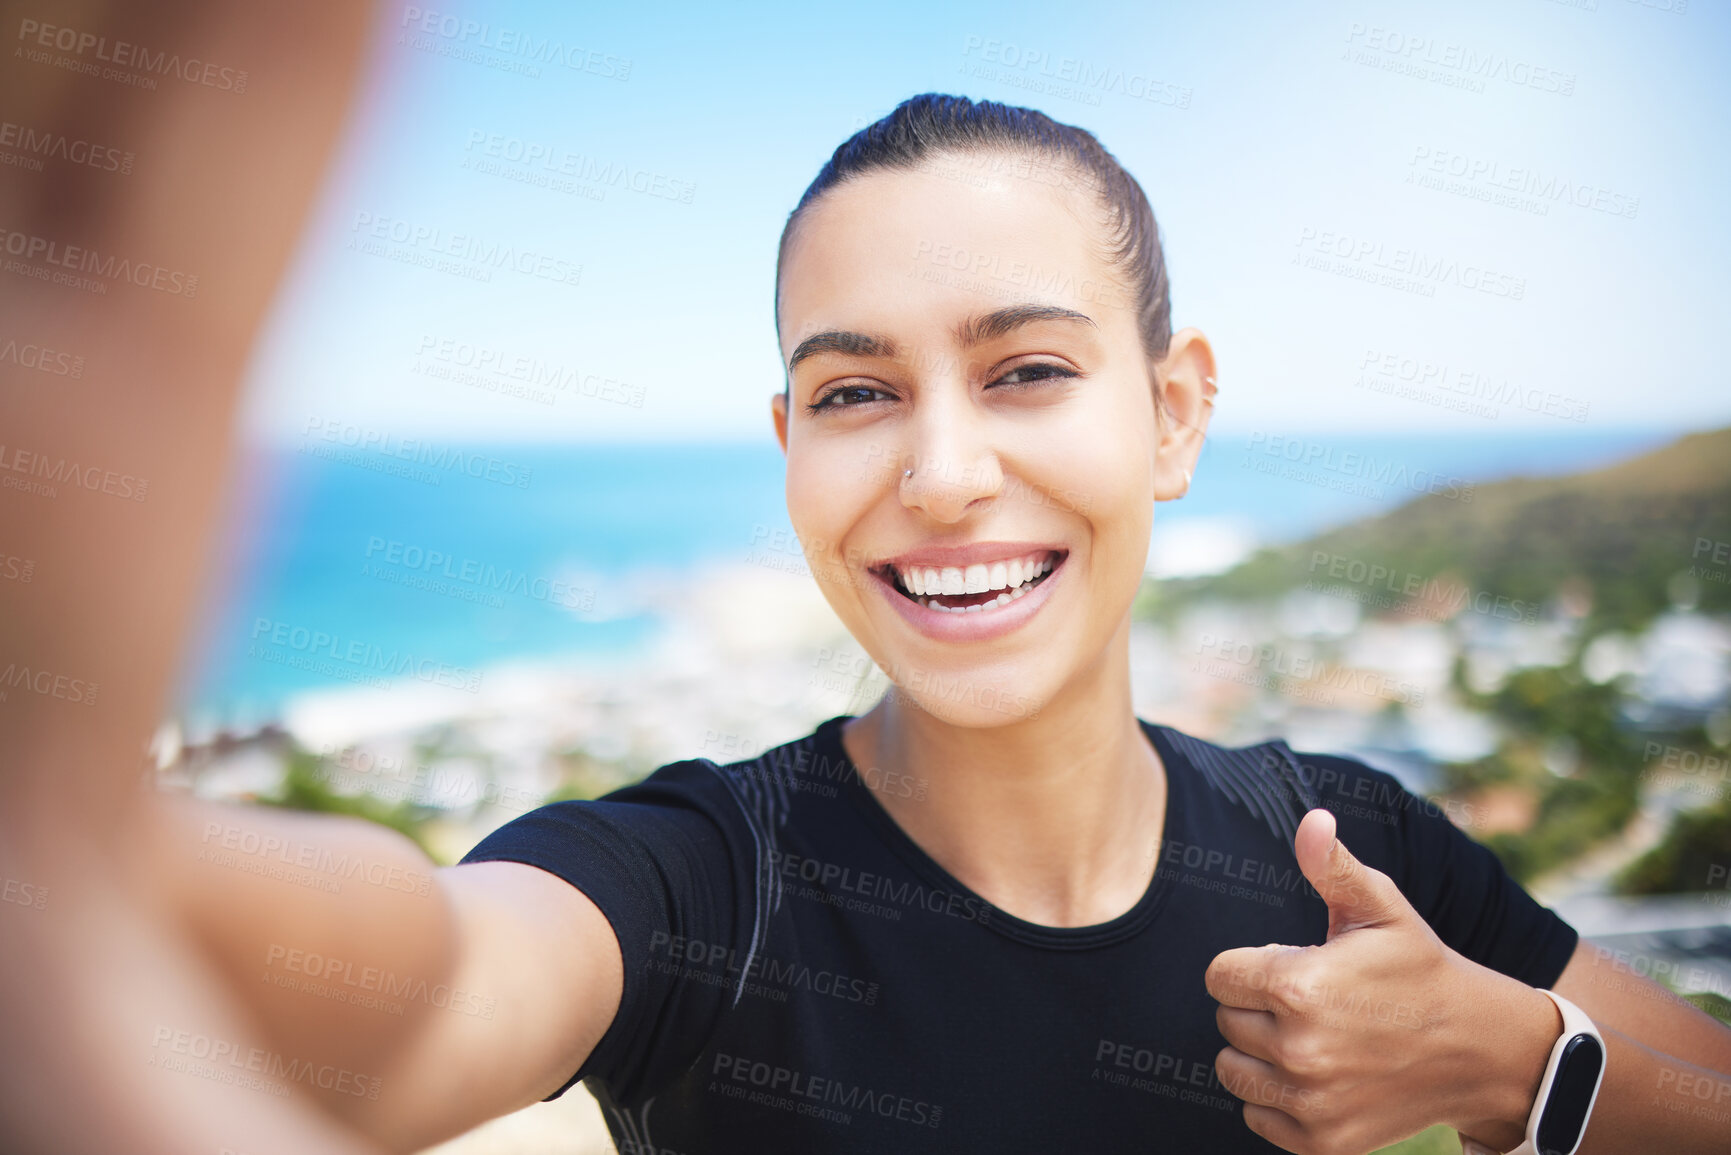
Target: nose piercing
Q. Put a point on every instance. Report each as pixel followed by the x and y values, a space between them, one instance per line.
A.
pixel 907 473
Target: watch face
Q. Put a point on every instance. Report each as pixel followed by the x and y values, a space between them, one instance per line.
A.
pixel 1577 1078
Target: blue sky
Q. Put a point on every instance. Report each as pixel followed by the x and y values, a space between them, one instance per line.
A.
pixel 1280 131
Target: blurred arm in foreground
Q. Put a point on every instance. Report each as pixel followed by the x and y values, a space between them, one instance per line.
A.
pixel 161 972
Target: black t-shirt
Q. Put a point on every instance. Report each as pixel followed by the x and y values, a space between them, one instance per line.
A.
pixel 801 977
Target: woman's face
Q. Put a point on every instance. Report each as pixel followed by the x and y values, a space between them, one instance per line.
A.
pixel 962 321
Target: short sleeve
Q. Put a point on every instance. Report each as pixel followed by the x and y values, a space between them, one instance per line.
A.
pixel 1457 884
pixel 670 863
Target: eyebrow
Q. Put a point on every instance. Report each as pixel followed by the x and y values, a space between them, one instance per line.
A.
pixel 986 326
pixel 841 341
pixel 971 331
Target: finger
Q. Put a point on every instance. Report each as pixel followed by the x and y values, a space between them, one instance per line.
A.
pixel 1357 896
pixel 1276 1126
pixel 1252 1032
pixel 1258 1081
pixel 1248 976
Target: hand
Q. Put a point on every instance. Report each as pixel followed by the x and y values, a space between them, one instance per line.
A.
pixel 1381 1031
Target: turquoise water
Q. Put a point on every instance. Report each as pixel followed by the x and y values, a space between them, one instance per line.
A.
pixel 335 570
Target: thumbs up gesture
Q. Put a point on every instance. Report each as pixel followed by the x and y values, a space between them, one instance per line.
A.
pixel 1378 1033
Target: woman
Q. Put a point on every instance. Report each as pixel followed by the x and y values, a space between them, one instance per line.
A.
pixel 997 911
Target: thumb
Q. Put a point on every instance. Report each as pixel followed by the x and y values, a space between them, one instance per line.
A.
pixel 1357 896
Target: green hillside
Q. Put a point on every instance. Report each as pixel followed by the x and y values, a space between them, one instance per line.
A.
pixel 1619 545
pixel 1622 534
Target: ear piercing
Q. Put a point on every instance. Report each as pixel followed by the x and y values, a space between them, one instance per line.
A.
pixel 907 473
pixel 1186 480
pixel 1208 398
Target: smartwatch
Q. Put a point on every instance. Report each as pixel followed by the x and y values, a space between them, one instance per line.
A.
pixel 1569 1088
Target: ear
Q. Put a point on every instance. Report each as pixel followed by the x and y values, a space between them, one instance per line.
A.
pixel 778 413
pixel 1185 381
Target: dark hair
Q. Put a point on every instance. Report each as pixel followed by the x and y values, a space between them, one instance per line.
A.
pixel 932 124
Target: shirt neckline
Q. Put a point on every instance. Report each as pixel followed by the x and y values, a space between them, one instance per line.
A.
pixel 1175 820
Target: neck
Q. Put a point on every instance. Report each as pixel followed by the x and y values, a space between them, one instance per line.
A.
pixel 1054 818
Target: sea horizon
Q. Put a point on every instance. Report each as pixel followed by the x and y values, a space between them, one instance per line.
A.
pixel 346 564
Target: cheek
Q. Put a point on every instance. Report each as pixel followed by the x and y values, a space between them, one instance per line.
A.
pixel 1121 516
pixel 826 493
pixel 1098 464
pixel 1115 478
pixel 1100 468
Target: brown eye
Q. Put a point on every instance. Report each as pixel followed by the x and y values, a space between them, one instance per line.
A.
pixel 846 397
pixel 1033 372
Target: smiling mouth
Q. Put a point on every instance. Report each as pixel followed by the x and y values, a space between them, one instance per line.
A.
pixel 973 589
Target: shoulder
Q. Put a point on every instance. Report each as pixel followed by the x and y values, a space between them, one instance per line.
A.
pixel 761 790
pixel 1456 883
pixel 689 810
pixel 1416 840
pixel 749 804
pixel 1264 781
pixel 1354 789
pixel 1423 844
pixel 1270 781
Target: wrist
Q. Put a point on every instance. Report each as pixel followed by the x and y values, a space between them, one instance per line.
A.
pixel 1523 1026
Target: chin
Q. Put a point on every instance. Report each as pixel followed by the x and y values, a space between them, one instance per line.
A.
pixel 970 695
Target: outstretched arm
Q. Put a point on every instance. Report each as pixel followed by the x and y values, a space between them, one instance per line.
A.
pixel 451 995
pixel 140 1002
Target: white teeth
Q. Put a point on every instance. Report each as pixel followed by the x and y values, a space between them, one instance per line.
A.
pixel 1002 599
pixel 1011 576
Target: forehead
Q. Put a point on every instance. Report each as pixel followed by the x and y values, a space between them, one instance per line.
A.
pixel 908 252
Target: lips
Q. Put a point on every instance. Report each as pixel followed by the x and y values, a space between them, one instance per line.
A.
pixel 990 613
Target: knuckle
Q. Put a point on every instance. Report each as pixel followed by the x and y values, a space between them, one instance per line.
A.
pixel 1290 1053
pixel 1269 975
pixel 1322 1068
pixel 1297 993
pixel 1300 987
pixel 1302 1054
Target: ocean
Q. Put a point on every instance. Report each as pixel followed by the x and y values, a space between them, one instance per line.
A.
pixel 359 566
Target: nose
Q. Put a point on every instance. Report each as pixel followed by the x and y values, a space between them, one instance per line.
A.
pixel 949 467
